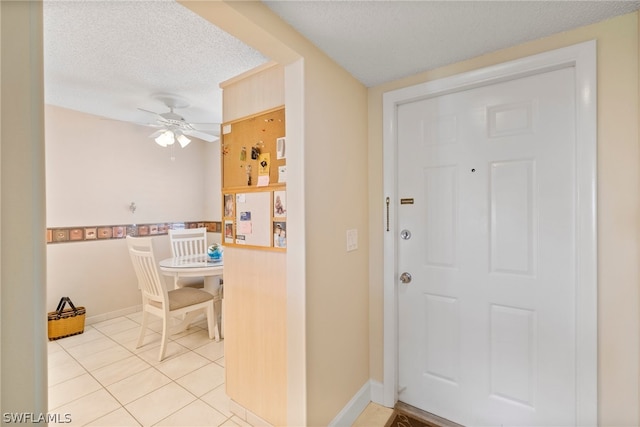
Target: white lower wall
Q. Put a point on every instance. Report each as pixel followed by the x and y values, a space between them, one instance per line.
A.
pixel 99 276
pixel 96 275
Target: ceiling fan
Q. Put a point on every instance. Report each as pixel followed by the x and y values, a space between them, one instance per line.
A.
pixel 173 127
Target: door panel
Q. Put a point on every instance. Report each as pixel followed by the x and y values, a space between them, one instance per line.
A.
pixel 441 195
pixel 442 329
pixel 512 207
pixel 513 354
pixel 486 326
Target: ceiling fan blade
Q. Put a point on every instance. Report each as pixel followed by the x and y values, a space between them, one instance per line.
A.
pixel 152 125
pixel 149 125
pixel 209 137
pixel 157 133
pixel 149 111
pixel 175 122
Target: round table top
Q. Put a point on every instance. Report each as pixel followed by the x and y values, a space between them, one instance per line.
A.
pixel 190 261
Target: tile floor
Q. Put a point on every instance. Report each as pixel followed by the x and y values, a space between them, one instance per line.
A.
pixel 99 378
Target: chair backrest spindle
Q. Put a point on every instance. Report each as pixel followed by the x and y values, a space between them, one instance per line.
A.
pixel 190 241
pixel 146 268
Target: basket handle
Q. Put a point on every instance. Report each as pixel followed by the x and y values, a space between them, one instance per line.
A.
pixel 62 303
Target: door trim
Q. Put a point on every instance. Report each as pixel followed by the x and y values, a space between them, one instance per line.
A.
pixel 581 57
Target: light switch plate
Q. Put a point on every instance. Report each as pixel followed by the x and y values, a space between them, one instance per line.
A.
pixel 352 240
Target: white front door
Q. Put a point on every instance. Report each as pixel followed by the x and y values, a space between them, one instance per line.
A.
pixel 487 179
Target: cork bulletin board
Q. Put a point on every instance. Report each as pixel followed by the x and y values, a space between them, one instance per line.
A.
pixel 254 181
pixel 244 142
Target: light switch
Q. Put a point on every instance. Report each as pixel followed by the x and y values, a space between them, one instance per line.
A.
pixel 352 240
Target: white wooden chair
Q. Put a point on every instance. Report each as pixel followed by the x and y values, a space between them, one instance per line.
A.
pixel 188 241
pixel 193 241
pixel 157 300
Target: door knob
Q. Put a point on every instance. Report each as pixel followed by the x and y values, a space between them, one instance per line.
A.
pixel 405 277
pixel 405 234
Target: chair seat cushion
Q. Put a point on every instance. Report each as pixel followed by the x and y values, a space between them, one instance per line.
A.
pixel 184 297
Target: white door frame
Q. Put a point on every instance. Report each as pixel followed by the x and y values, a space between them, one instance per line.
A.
pixel 582 57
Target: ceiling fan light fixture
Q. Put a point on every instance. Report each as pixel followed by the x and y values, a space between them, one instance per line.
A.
pixel 165 138
pixel 183 140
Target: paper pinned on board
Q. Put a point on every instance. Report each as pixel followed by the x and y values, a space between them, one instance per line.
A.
pixel 244 227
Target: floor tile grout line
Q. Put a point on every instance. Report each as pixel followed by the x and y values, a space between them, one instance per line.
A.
pixel 178 410
pixel 124 406
pixel 90 372
pixel 196 398
pixel 86 372
pixel 182 387
pixel 150 366
pixel 102 386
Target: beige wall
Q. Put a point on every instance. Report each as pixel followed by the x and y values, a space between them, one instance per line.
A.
pixel 23 373
pixel 618 202
pixel 94 169
pixel 335 200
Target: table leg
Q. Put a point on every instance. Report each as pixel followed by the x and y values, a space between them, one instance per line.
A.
pixel 212 285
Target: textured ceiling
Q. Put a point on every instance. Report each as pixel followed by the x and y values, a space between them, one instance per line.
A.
pixel 380 41
pixel 110 58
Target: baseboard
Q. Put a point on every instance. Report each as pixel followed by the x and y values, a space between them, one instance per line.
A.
pixel 112 315
pixel 377 392
pixel 354 408
pixel 246 415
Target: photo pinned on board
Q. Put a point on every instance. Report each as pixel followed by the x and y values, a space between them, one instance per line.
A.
pixel 280 234
pixel 228 205
pixel 279 203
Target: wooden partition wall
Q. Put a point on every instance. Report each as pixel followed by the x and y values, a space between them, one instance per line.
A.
pixel 255 276
pixel 255 331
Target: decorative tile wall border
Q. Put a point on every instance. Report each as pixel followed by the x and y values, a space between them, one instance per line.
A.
pixel 107 232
